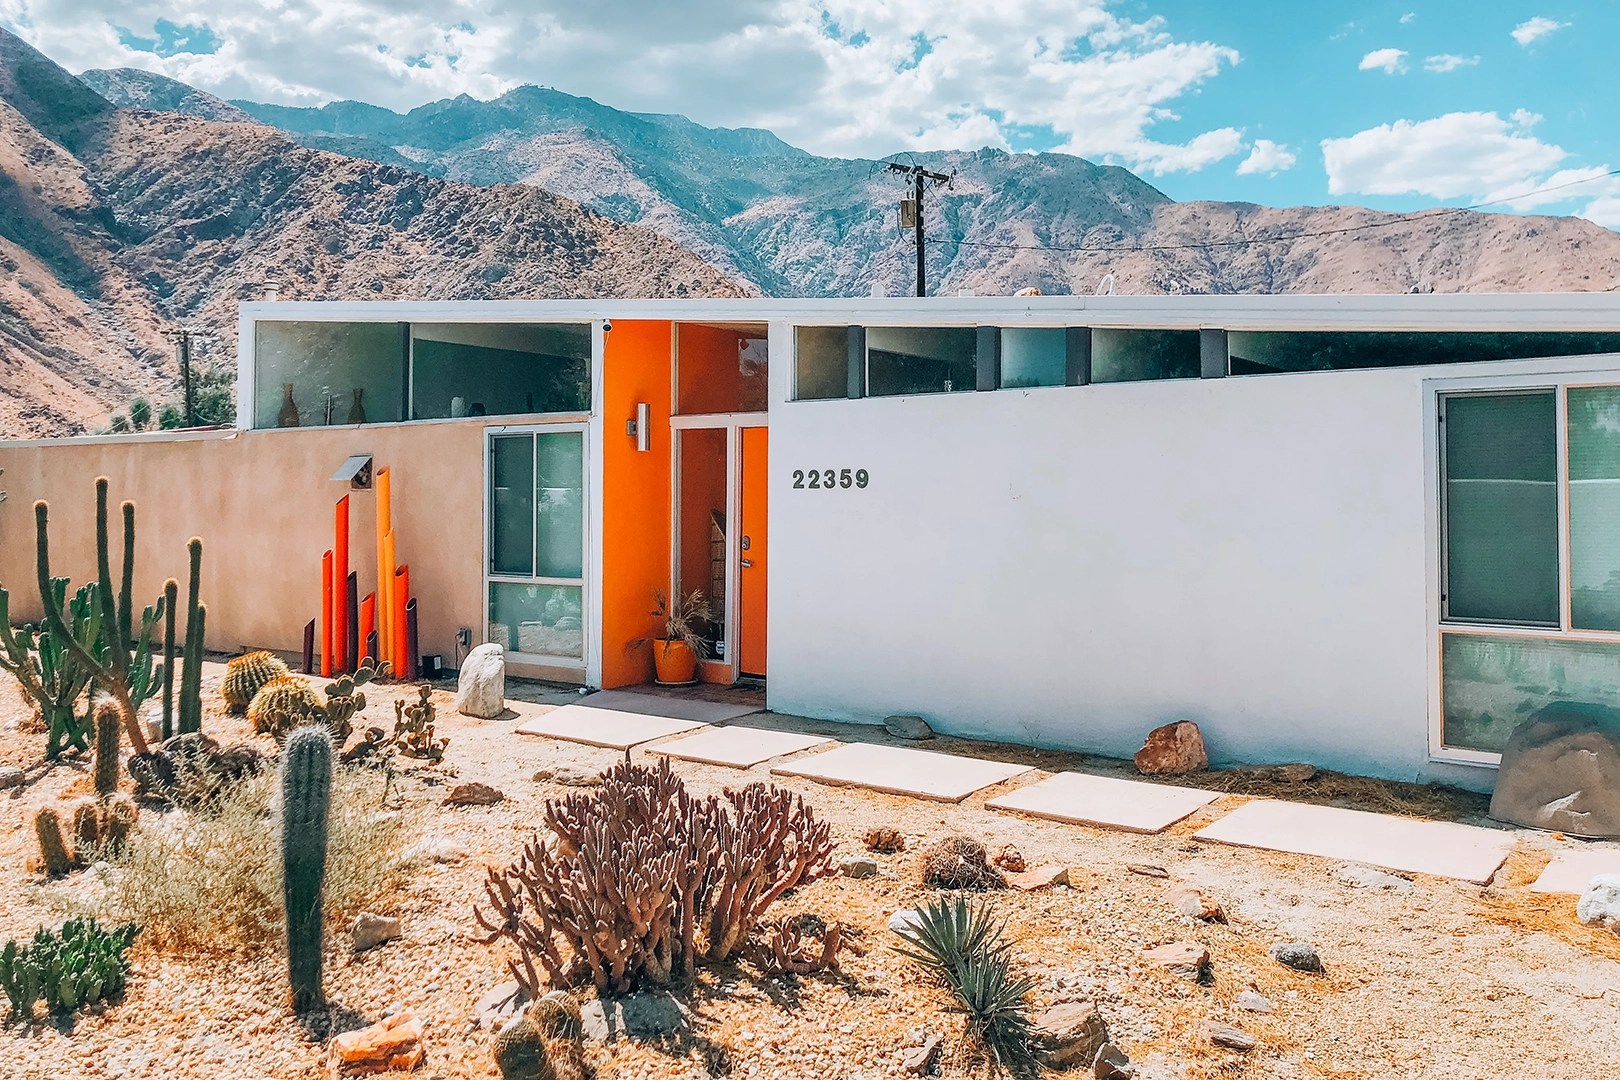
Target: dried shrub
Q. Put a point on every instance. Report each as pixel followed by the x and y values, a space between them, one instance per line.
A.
pixel 642 881
pixel 958 862
pixel 884 839
pixel 210 880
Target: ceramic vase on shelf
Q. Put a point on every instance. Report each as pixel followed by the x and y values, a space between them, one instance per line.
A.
pixel 289 408
pixel 357 411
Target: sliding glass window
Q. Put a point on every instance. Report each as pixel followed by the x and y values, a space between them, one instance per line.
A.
pixel 499 369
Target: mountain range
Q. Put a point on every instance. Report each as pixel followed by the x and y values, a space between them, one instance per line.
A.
pixel 131 204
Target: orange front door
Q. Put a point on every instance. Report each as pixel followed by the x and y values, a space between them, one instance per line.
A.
pixel 751 591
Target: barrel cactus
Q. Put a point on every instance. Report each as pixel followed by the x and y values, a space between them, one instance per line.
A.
pixel 246 675
pixel 282 705
pixel 306 797
pixel 544 1042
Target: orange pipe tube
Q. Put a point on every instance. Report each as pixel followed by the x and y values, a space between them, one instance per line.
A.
pixel 343 662
pixel 402 594
pixel 385 557
pixel 326 615
pixel 385 602
pixel 368 624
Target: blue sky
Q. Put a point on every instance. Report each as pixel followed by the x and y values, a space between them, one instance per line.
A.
pixel 1399 105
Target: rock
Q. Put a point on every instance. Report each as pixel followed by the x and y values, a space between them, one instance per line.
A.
pixel 11 777
pixel 905 921
pixel 481 686
pixel 1147 870
pixel 499 1005
pixel 370 930
pixel 920 1061
pixel 1297 955
pixel 1010 858
pixel 914 728
pixel 393 1044
pixel 1188 959
pixel 1042 877
pixel 1111 1064
pixel 636 1016
pixel 1172 749
pixel 858 866
pixel 1561 771
pixel 1359 876
pixel 1069 1034
pixel 1189 901
pixel 473 794
pixel 568 776
pixel 1253 1001
pixel 1599 905
pixel 1228 1036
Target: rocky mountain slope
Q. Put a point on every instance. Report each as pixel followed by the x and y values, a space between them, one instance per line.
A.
pixel 790 223
pixel 116 223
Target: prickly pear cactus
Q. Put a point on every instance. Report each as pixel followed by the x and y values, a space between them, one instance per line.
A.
pixel 282 705
pixel 245 676
pixel 413 727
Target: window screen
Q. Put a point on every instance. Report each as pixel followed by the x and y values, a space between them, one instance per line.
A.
pixel 1501 507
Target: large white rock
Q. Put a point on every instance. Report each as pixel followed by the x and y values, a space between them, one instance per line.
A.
pixel 481 690
pixel 1600 904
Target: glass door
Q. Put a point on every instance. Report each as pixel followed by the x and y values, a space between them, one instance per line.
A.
pixel 535 575
pixel 704 524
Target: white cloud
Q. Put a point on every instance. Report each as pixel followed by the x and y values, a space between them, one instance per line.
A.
pixel 1535 29
pixel 1474 156
pixel 1445 62
pixel 1267 157
pixel 1604 211
pixel 1389 61
pixel 850 77
pixel 1409 17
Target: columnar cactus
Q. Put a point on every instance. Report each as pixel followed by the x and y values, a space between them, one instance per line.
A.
pixel 86 829
pixel 106 763
pixel 47 672
pixel 53 851
pixel 306 795
pixel 196 624
pixel 171 596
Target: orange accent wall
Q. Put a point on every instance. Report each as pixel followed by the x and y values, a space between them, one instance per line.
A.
pixel 635 495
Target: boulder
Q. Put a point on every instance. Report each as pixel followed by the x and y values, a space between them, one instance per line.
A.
pixel 1172 749
pixel 1599 905
pixel 481 687
pixel 1561 771
pixel 1297 955
pixel 473 794
pixel 637 1016
pixel 391 1045
pixel 370 930
pixel 914 728
pixel 1069 1034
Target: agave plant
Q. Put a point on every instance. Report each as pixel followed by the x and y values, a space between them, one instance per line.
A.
pixel 961 942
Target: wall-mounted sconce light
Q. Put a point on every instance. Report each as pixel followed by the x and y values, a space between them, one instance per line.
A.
pixel 639 428
pixel 357 471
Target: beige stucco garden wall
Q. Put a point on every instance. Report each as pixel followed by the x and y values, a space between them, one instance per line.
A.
pixel 262 501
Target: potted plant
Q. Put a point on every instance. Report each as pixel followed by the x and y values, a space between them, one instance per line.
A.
pixel 676 654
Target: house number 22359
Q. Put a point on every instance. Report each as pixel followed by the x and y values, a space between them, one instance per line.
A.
pixel 829 478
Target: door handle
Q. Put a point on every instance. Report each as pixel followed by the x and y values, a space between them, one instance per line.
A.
pixel 747 563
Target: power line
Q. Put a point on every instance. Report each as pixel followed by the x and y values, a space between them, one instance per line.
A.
pixel 1250 241
pixel 918 175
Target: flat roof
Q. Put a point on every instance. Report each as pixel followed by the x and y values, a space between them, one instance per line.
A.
pixel 1594 311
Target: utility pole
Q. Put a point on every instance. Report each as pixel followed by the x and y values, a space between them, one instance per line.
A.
pixel 183 336
pixel 919 176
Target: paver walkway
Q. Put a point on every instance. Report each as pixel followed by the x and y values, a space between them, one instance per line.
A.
pixel 901 771
pixel 738 746
pixel 1572 871
pixel 604 727
pixel 1105 801
pixel 677 708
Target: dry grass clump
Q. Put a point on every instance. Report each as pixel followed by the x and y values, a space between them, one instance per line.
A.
pixel 1341 789
pixel 211 880
pixel 959 862
pixel 884 839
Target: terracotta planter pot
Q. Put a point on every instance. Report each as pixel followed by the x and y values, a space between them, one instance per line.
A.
pixel 675 662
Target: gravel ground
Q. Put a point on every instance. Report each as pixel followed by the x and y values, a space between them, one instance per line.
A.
pixel 1427 978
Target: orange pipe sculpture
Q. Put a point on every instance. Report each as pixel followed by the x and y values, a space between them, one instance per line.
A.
pixel 342 661
pixel 385 559
pixel 386 583
pixel 402 594
pixel 326 615
pixel 368 624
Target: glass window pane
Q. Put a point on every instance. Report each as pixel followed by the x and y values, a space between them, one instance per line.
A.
pixel 511 505
pixel 494 369
pixel 540 620
pixel 921 359
pixel 821 363
pixel 1262 352
pixel 325 367
pixel 702 542
pixel 720 370
pixel 1594 507
pixel 1034 357
pixel 1139 355
pixel 1490 685
pixel 560 504
pixel 1501 508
